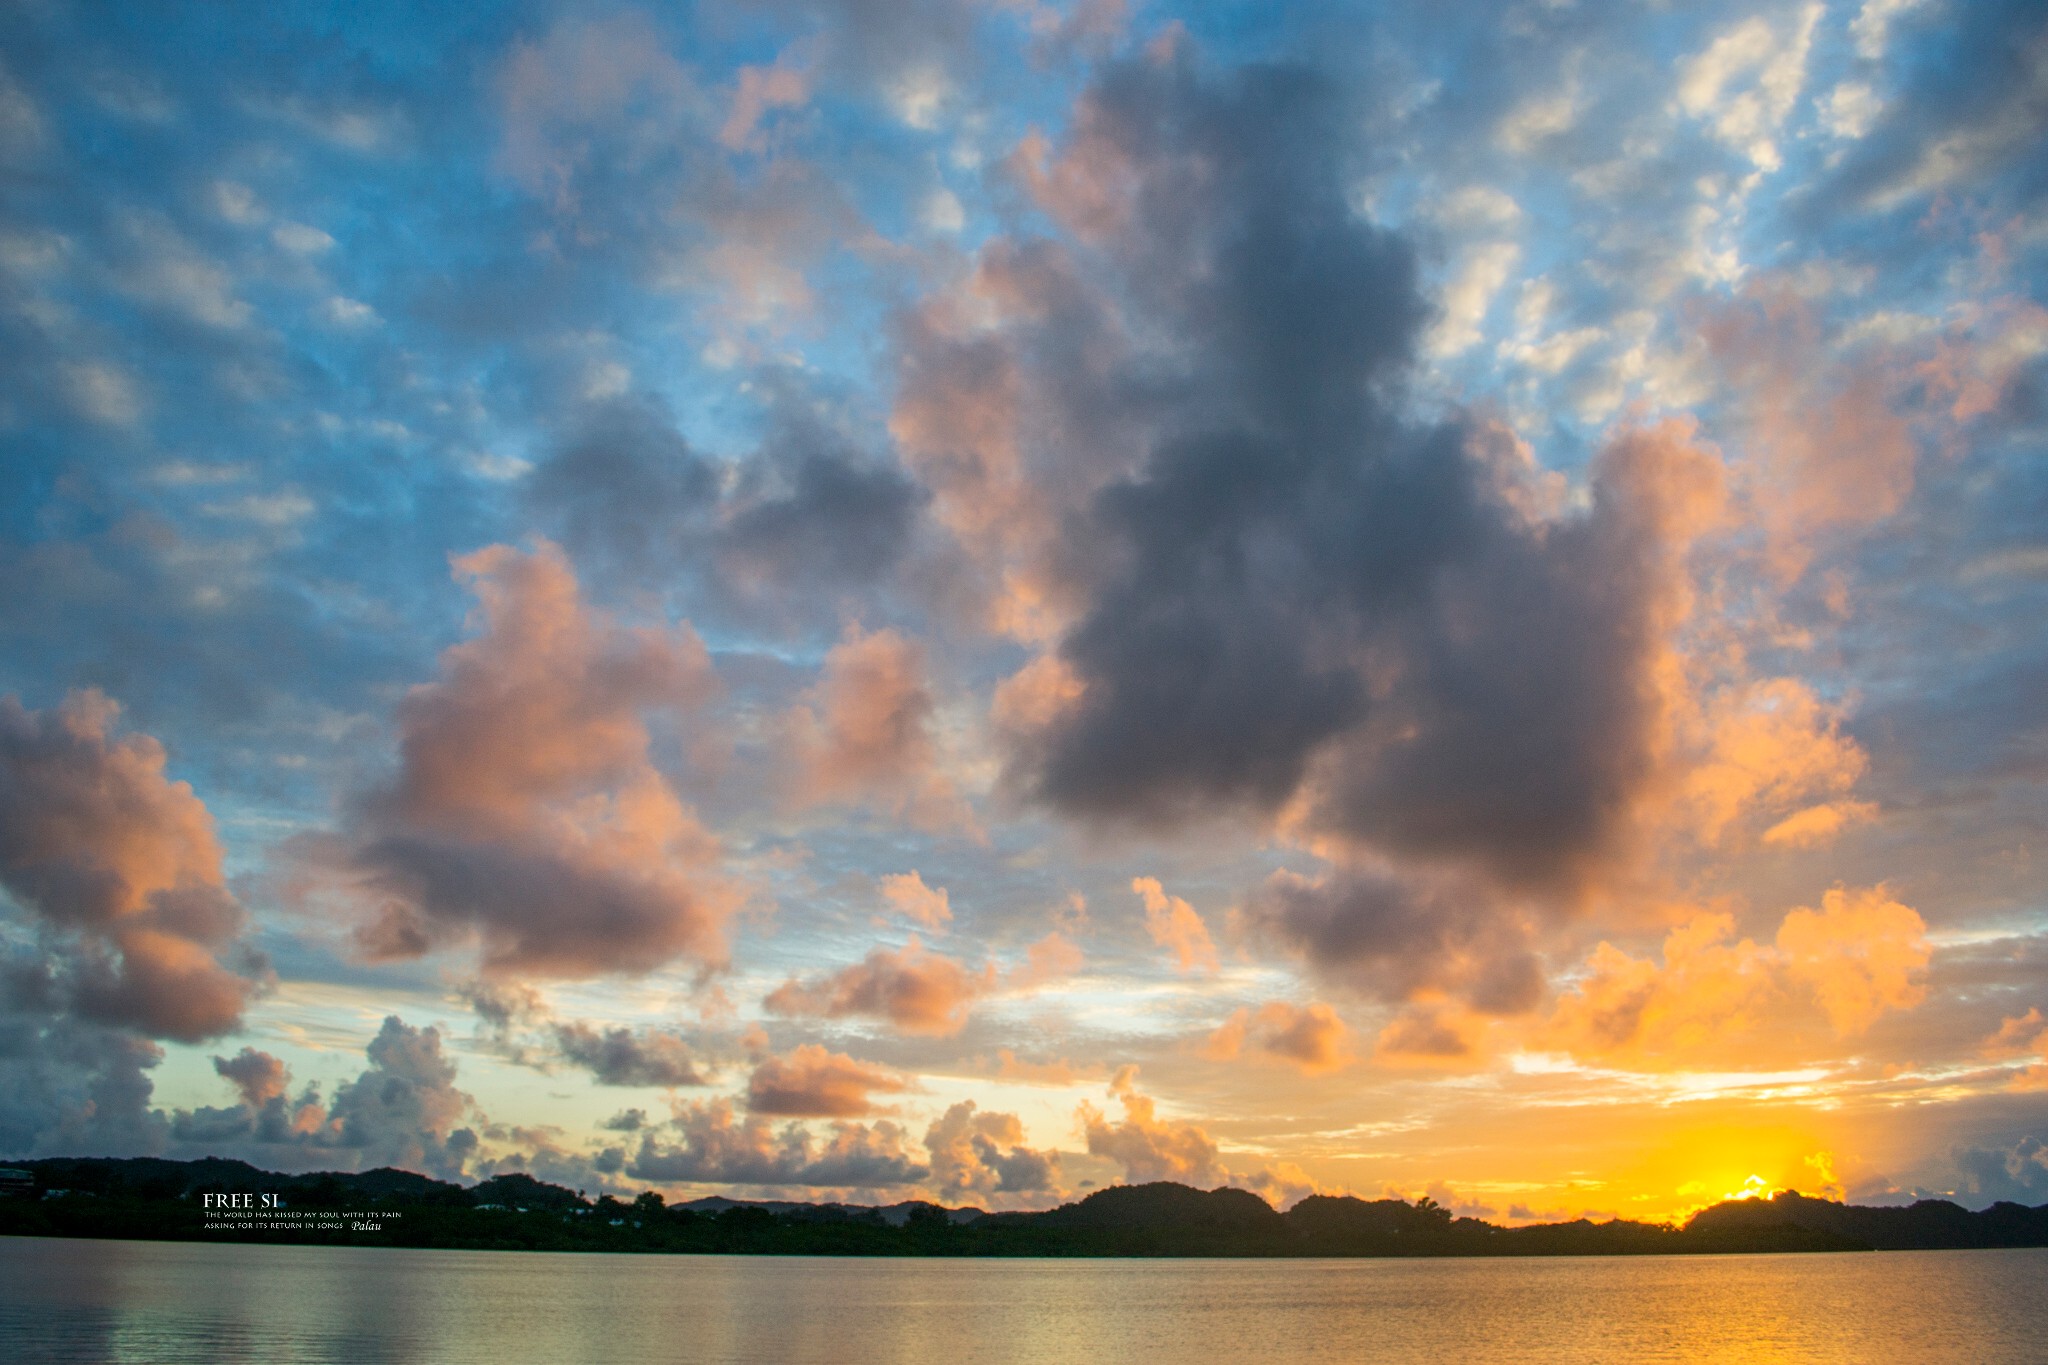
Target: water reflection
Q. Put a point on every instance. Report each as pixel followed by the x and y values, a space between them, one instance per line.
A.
pixel 158 1303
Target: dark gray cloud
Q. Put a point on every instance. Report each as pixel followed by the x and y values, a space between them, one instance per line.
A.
pixel 627 488
pixel 2018 1173
pixel 1970 112
pixel 404 1109
pixel 711 1146
pixel 1393 937
pixel 784 533
pixel 619 1056
pixel 67 1086
pixel 1303 592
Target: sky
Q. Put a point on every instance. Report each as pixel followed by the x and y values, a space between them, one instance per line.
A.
pixel 975 599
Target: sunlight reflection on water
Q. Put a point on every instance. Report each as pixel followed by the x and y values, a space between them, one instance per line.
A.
pixel 168 1302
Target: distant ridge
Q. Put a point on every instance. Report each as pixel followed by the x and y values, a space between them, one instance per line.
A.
pixel 150 1198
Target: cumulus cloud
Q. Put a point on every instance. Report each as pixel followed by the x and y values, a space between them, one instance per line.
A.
pixel 1858 956
pixel 711 1146
pixel 1828 452
pixel 1174 925
pixel 1861 954
pixel 864 733
pixel 976 1154
pixel 1310 1037
pixel 404 1108
pixel 911 898
pixel 257 1076
pixel 792 528
pixel 1431 1032
pixel 120 869
pixel 2024 1035
pixel 619 1056
pixel 916 990
pixel 1298 605
pixel 1146 1146
pixel 527 814
pixel 1398 938
pixel 2018 1173
pixel 813 1083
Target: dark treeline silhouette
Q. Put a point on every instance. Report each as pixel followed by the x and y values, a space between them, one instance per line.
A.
pixel 153 1199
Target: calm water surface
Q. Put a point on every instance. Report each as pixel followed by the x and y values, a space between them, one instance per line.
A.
pixel 170 1302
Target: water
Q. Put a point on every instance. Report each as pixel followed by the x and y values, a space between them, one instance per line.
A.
pixel 171 1302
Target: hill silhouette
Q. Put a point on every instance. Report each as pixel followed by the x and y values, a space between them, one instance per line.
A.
pixel 150 1198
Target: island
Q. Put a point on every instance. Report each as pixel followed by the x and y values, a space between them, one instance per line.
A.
pixel 146 1198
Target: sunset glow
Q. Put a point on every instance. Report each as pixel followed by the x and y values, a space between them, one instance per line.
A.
pixel 974 601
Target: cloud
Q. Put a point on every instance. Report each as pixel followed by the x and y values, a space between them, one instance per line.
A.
pixel 587 100
pixel 1774 746
pixel 756 91
pixel 1310 1037
pixel 1861 954
pixel 1430 1032
pixel 403 1109
pixel 1173 924
pixel 813 1083
pixel 714 1148
pixel 916 990
pixel 2018 1173
pixel 257 1076
pixel 1963 115
pixel 927 905
pixel 786 532
pixel 527 813
pixel 1398 938
pixel 68 1086
pixel 976 1154
pixel 1827 451
pixel 619 1056
pixel 121 870
pixel 1298 604
pixel 864 733
pixel 2026 1036
pixel 1747 80
pixel 1857 957
pixel 1146 1146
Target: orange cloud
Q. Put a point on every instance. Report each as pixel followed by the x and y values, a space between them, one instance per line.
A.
pixel 1431 1032
pixel 1857 957
pixel 864 733
pixel 976 1154
pixel 813 1083
pixel 1862 953
pixel 527 810
pixel 1774 746
pixel 1173 924
pixel 1826 449
pixel 927 905
pixel 1046 960
pixel 1146 1146
pixel 2017 1037
pixel 122 863
pixel 1310 1037
pixel 758 90
pixel 915 990
pixel 1060 1071
pixel 1035 695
